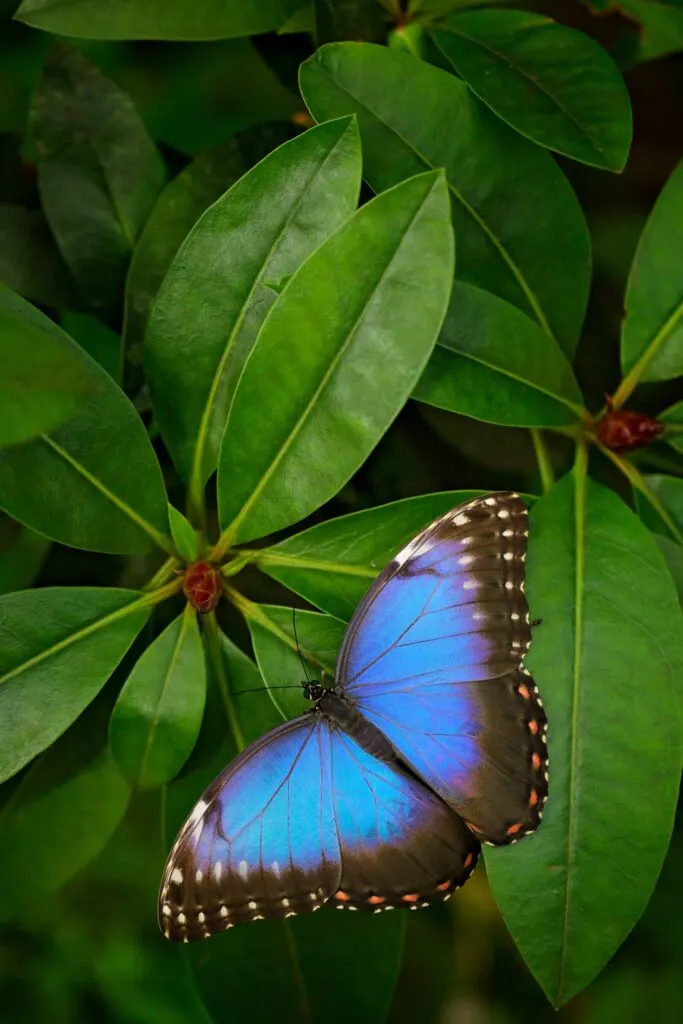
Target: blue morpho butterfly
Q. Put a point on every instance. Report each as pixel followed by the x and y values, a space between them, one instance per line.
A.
pixel 431 740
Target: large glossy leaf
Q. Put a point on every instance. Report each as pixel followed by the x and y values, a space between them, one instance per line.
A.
pixel 100 483
pixel 553 84
pixel 98 170
pixel 156 19
pixel 673 556
pixel 608 661
pixel 216 294
pixel 337 359
pixel 510 201
pixel 495 364
pixel 178 208
pixel 673 434
pixel 156 720
pixel 58 647
pixel 98 340
pixel 286 953
pixel 30 262
pixel 60 813
pixel 42 382
pixel 333 564
pixel 652 333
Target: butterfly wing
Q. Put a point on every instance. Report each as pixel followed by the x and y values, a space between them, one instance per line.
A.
pixel 433 658
pixel 261 842
pixel 401 846
pixel 304 815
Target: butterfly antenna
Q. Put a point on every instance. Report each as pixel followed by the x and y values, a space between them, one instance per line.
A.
pixel 298 648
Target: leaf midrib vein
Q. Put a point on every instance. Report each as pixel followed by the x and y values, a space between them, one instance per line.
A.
pixel 327 376
pixel 232 338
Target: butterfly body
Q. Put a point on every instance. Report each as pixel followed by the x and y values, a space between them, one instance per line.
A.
pixel 431 740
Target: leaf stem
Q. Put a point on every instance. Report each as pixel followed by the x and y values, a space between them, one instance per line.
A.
pixel 165 543
pixel 637 481
pixel 545 466
pixel 145 601
pixel 269 556
pixel 161 575
pixel 633 377
pixel 213 647
pixel 256 614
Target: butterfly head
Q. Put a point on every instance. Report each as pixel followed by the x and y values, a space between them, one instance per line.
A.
pixel 314 690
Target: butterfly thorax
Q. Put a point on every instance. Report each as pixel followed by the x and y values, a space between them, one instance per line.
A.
pixel 340 712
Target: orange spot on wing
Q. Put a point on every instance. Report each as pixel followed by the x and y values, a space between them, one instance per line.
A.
pixel 533 798
pixel 376 899
pixel 536 762
pixel 410 897
pixel 533 727
pixel 523 691
pixel 444 886
pixel 468 859
pixel 514 829
pixel 342 896
pixel 473 828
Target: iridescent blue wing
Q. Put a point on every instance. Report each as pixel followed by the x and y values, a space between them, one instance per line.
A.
pixel 261 842
pixel 303 816
pixel 434 658
pixel 401 846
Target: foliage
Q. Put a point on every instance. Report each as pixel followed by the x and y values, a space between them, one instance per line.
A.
pixel 282 347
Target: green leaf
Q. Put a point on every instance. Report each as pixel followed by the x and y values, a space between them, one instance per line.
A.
pixel 184 535
pixel 495 364
pixel 510 200
pixel 30 262
pixel 553 84
pixel 287 953
pixel 674 416
pixel 21 555
pixel 214 298
pixel 668 492
pixel 42 383
pixel 99 172
pixel 98 340
pixel 303 20
pixel 101 486
pixel 336 359
pixel 608 661
pixel 58 647
pixel 673 556
pixel 333 564
pixel 156 19
pixel 157 717
pixel 652 333
pixel 59 815
pixel 178 208
pixel 659 24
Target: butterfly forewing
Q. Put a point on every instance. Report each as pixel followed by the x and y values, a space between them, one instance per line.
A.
pixel 434 658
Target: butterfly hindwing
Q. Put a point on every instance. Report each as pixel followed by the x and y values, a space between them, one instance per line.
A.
pixel 401 845
pixel 434 658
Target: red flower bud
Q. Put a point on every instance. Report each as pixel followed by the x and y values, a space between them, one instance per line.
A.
pixel 622 430
pixel 202 586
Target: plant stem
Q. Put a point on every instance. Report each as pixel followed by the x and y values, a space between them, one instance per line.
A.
pixel 636 479
pixel 161 575
pixel 213 647
pixel 545 467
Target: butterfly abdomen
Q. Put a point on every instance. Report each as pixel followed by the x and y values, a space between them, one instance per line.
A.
pixel 343 714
